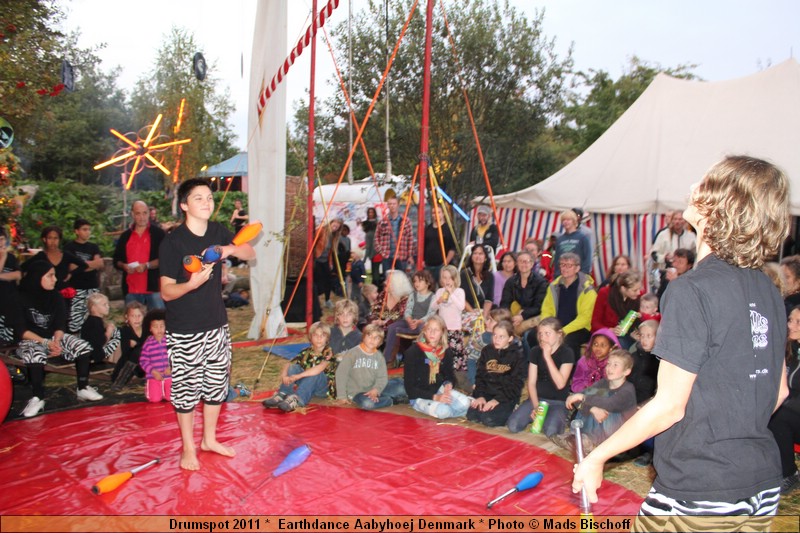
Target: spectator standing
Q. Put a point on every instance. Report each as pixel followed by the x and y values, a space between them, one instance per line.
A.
pixel 669 240
pixel 390 241
pixel 86 282
pixel 572 240
pixel 136 255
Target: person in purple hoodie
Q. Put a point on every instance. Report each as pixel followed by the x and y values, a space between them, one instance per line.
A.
pixel 592 366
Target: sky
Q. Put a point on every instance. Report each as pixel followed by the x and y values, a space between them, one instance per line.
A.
pixel 726 38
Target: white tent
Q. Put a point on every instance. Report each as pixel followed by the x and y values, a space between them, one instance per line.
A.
pixel 647 160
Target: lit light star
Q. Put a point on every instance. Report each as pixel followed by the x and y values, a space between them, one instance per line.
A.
pixel 140 152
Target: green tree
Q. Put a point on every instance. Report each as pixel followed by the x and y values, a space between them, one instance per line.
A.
pixel 71 133
pixel 30 57
pixel 600 100
pixel 513 77
pixel 206 111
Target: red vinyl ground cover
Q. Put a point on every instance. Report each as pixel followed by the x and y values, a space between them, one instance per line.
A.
pixel 361 463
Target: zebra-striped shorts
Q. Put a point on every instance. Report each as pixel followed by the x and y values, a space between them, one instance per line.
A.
pixel 6 332
pixel 72 347
pixel 662 513
pixel 79 310
pixel 200 367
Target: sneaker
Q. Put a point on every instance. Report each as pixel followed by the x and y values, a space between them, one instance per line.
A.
pixel 646 459
pixel 273 402
pixel 34 407
pixel 291 403
pixel 89 394
pixel 789 483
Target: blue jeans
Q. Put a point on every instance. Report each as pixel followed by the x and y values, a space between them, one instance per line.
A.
pixel 457 407
pixel 152 300
pixel 398 265
pixel 394 390
pixel 306 387
pixel 554 422
pixel 472 370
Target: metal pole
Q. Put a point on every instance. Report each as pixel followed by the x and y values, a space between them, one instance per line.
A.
pixel 423 145
pixel 311 154
pixel 350 81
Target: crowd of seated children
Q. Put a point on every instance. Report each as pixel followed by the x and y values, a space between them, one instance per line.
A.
pixel 549 369
pixel 132 335
pixel 591 367
pixel 605 405
pixel 499 379
pixel 361 376
pixel 154 358
pixel 429 376
pixel 390 305
pixel 103 336
pixel 344 334
pixel 449 302
pixel 311 373
pixel 418 310
pixel 480 339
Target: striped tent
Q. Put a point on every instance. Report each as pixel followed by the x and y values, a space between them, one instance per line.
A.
pixel 644 165
pixel 630 235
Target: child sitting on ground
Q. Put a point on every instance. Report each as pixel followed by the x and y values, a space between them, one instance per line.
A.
pixel 648 308
pixel 604 406
pixel 591 367
pixel 499 379
pixel 370 296
pixel 429 374
pixel 104 337
pixel 132 335
pixel 344 334
pixel 479 340
pixel 418 310
pixel 154 359
pixel 361 376
pixel 309 374
pixel 644 378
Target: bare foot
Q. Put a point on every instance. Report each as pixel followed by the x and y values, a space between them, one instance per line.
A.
pixel 189 459
pixel 217 447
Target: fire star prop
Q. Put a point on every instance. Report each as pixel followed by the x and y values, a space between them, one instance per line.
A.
pixel 140 152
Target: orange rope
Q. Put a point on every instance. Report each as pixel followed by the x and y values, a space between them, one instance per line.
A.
pixel 353 117
pixel 352 150
pixel 472 121
pixel 402 227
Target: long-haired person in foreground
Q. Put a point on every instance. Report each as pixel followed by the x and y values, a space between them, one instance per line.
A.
pixel 722 374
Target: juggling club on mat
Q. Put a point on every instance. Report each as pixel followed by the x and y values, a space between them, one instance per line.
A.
pixel 528 482
pixel 109 483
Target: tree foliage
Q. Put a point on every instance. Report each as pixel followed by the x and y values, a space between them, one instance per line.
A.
pixel 30 57
pixel 510 70
pixel 71 134
pixel 206 112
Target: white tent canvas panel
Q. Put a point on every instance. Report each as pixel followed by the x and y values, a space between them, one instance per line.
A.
pixel 648 159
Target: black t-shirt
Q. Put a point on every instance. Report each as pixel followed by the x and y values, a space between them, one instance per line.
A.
pixel 201 309
pixel 8 289
pixel 433 249
pixel 545 388
pixel 727 326
pixel 86 252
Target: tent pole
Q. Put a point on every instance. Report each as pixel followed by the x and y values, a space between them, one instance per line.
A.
pixel 310 226
pixel 423 145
